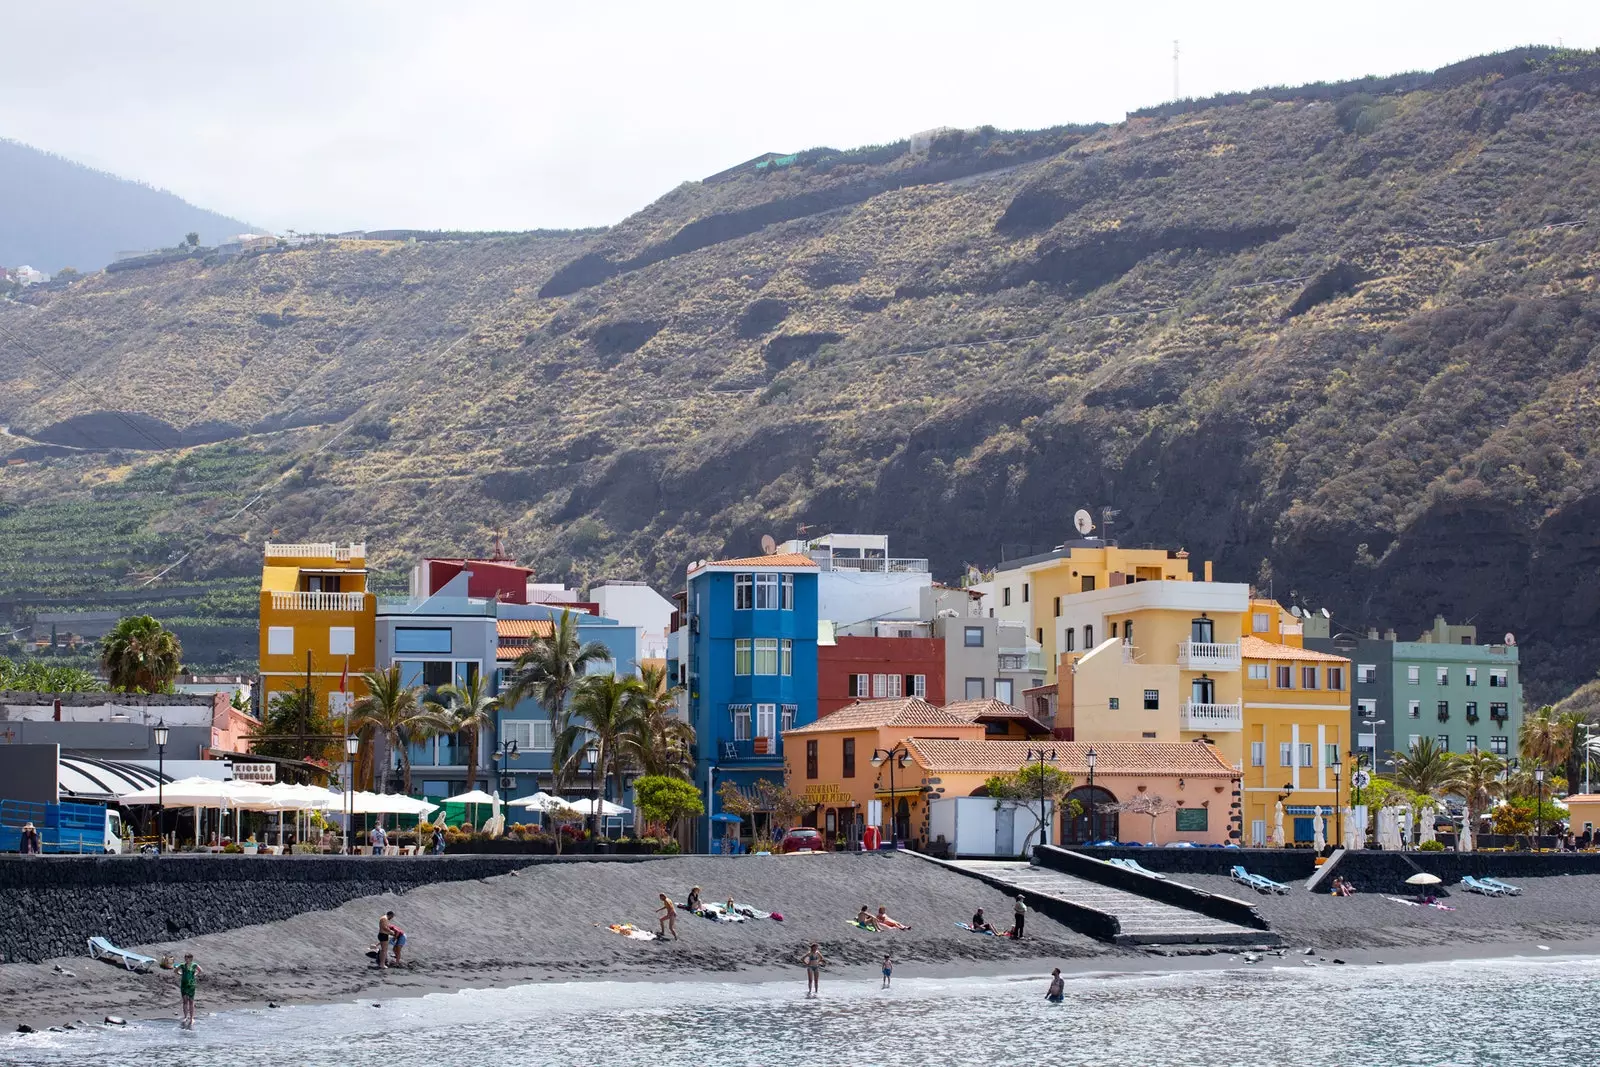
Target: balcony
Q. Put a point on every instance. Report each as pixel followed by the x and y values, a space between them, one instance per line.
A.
pixel 317 550
pixel 756 749
pixel 869 564
pixel 1212 717
pixel 319 601
pixel 1208 656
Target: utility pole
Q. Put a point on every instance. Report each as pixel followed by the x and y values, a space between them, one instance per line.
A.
pixel 1175 70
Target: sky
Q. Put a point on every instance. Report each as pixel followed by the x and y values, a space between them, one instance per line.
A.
pixel 331 115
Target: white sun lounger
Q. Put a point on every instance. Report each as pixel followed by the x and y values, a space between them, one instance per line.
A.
pixel 101 949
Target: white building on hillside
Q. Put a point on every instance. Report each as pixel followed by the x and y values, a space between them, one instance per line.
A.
pixel 861 585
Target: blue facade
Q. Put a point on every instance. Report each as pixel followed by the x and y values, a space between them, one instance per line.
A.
pixel 750 652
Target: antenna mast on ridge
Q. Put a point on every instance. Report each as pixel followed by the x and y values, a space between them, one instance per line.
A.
pixel 1175 70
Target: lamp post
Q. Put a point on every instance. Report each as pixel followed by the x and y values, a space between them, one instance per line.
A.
pixel 1094 825
pixel 1538 806
pixel 901 755
pixel 1042 754
pixel 1338 802
pixel 504 753
pixel 161 735
pixel 352 745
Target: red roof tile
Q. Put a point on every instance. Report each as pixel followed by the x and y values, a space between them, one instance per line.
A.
pixel 1256 648
pixel 783 559
pixel 869 714
pixel 1189 759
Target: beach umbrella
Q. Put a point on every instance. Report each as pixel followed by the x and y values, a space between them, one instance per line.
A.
pixel 1423 879
pixel 473 797
pixel 605 807
pixel 1319 834
pixel 1425 829
pixel 540 801
pixel 1277 827
pixel 1464 839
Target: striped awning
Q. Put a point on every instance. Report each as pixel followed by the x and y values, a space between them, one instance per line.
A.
pixel 87 778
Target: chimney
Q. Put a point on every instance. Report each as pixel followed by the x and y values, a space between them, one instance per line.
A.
pixel 1208 570
pixel 1372 635
pixel 57 704
pixel 1390 635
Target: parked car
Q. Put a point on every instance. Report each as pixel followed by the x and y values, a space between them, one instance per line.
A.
pixel 801 839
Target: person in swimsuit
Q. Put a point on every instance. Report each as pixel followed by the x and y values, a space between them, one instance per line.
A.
pixel 399 941
pixel 385 928
pixel 1057 991
pixel 669 917
pixel 980 924
pixel 693 903
pixel 888 972
pixel 887 923
pixel 814 962
pixel 864 918
pixel 188 975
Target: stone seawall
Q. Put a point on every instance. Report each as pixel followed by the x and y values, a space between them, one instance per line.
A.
pixel 50 906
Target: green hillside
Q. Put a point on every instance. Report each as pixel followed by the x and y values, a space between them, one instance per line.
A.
pixel 1338 338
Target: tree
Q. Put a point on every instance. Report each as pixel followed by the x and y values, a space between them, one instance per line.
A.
pixel 1427 768
pixel 1478 780
pixel 192 239
pixel 665 801
pixel 1150 804
pixel 608 708
pixel 397 712
pixel 547 673
pixel 1025 784
pixel 294 726
pixel 140 656
pixel 660 742
pixel 1544 740
pixel 466 710
pixel 35 677
pixel 765 797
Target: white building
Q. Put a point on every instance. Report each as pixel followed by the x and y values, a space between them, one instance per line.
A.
pixel 26 275
pixel 636 604
pixel 861 585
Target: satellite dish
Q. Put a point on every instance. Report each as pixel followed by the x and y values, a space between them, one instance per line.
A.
pixel 1511 639
pixel 768 545
pixel 1294 609
pixel 1326 614
pixel 1083 521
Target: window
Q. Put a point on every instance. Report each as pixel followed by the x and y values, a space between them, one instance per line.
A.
pixel 1330 755
pixel 1058 607
pixel 1113 631
pixel 419 639
pixel 1088 637
pixel 280 640
pixel 767 596
pixel 1498 711
pixel 429 673
pixel 1148 735
pixel 917 686
pixel 1367 708
pixel 788 592
pixel 339 704
pixel 1088 583
pixel 1024 592
pixel 1444 710
pixel 1004 690
pixel 1152 700
pixel 1005 597
pixel 786 715
pixel 1260 622
pixel 1072 639
pixel 1038 635
pixel 1414 709
pixel 741 655
pixel 1499 745
pixel 766 655
pixel 786 656
pixel 1202 690
pixel 1413 675
pixel 1285 676
pixel 885 686
pixel 1258 672
pixel 974 690
pixel 1441 675
pixel 767 721
pixel 811 759
pixel 531 735
pixel 1335 678
pixel 341 640
pixel 1258 753
pixel 1472 675
pixel 1308 677
pixel 1472 711
pixel 849 757
pixel 1285 754
pixel 1366 673
pixel 1443 741
pixel 1192 820
pixel 741 721
pixel 1305 756
pixel 1202 631
pixel 861 685
pixel 1497 678
pixel 1412 741
pixel 1114 703
pixel 1472 742
pixel 973 637
pixel 1127 632
pixel 743 591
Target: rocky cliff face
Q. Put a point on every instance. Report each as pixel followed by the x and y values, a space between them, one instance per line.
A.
pixel 1343 337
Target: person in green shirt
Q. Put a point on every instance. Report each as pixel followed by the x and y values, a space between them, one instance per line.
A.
pixel 188 974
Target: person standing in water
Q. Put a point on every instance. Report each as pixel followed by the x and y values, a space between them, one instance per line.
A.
pixel 888 972
pixel 1057 991
pixel 188 976
pixel 814 961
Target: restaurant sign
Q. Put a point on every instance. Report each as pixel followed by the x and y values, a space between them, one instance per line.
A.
pixel 255 772
pixel 830 796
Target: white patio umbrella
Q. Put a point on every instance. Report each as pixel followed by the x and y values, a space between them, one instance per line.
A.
pixel 364 803
pixel 473 797
pixel 1464 839
pixel 1318 831
pixel 540 801
pixel 183 793
pixel 1425 830
pixel 586 806
pixel 1277 827
pixel 1355 836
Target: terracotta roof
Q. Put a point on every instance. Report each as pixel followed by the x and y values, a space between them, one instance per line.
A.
pixel 782 559
pixel 992 710
pixel 1256 648
pixel 1190 759
pixel 510 652
pixel 524 627
pixel 867 714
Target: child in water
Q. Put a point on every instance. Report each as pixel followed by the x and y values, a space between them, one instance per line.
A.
pixel 888 972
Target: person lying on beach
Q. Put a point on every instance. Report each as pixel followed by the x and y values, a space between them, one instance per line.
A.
pixel 669 918
pixel 693 903
pixel 864 918
pixel 1057 991
pixel 883 920
pixel 980 924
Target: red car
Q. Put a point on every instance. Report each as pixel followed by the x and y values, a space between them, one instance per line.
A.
pixel 801 839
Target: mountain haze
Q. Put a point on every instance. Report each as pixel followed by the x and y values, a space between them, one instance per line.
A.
pixel 1342 339
pixel 55 213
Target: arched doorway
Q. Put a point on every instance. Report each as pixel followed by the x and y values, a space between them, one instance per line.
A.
pixel 1090 824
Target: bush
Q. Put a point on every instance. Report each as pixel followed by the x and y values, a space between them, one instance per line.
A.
pixel 1431 846
pixel 306 848
pixel 233 848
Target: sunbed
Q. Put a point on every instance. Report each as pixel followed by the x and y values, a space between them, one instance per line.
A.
pixel 1473 885
pixel 1504 887
pixel 1136 867
pixel 1257 882
pixel 101 949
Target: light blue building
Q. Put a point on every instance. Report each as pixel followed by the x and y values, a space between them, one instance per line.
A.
pixel 748 643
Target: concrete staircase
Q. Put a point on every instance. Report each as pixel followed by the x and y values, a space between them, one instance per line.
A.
pixel 1143 921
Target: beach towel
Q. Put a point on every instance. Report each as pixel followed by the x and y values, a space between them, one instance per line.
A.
pixel 1407 903
pixel 751 912
pixel 632 932
pixel 989 933
pixel 861 925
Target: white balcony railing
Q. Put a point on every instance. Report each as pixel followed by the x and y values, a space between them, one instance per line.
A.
pixel 869 564
pixel 319 601
pixel 317 550
pixel 1213 716
pixel 1208 656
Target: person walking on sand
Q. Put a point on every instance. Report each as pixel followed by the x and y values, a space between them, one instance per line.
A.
pixel 385 931
pixel 669 918
pixel 888 972
pixel 188 975
pixel 814 961
pixel 1057 991
pixel 1020 912
pixel 399 940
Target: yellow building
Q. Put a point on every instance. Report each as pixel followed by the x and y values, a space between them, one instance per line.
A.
pixel 1035 590
pixel 317 621
pixel 1296 718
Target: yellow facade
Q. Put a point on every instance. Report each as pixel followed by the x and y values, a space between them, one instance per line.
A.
pixel 1296 723
pixel 317 621
pixel 1034 593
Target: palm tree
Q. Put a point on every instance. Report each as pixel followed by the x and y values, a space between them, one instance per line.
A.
pixel 548 672
pixel 466 710
pixel 139 656
pixel 1426 768
pixel 1479 778
pixel 397 712
pixel 661 742
pixel 608 708
pixel 1544 740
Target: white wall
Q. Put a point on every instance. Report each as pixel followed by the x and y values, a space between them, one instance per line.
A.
pixel 640 606
pixel 847 596
pixel 969 824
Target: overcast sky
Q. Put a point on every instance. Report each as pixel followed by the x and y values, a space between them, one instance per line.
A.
pixel 342 114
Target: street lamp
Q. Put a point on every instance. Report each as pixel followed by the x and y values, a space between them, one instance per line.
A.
pixel 504 753
pixel 901 755
pixel 161 734
pixel 1338 802
pixel 352 744
pixel 1538 810
pixel 1041 755
pixel 1094 824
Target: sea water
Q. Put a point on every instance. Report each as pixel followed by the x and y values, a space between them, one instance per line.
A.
pixel 1522 1012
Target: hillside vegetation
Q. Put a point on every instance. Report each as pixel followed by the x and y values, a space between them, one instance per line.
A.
pixel 1341 339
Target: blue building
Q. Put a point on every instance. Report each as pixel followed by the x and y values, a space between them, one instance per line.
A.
pixel 748 650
